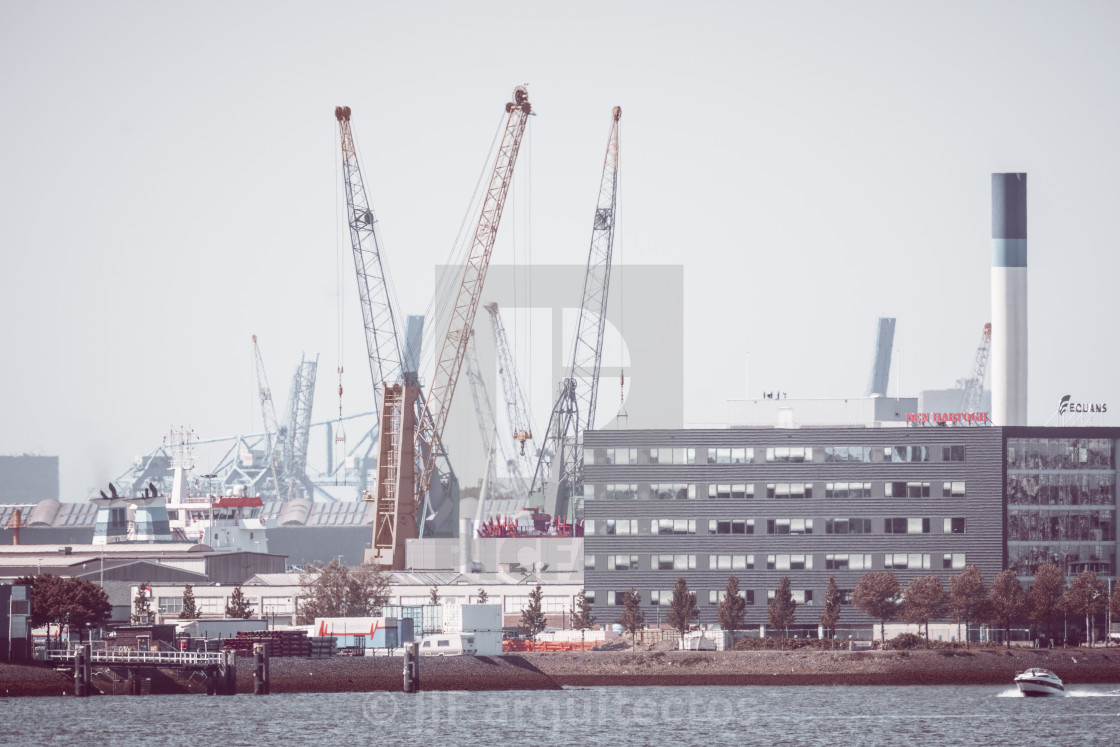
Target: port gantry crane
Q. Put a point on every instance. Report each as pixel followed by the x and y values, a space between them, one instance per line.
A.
pixel 301 397
pixel 409 444
pixel 574 411
pixel 517 408
pixel 973 393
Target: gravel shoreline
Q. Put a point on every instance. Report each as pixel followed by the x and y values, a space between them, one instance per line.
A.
pixel 551 671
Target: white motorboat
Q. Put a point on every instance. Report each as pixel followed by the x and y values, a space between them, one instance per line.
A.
pixel 1036 682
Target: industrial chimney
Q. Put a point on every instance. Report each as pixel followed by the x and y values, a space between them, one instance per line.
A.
pixel 1009 299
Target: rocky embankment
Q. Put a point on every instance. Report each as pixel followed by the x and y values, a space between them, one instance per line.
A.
pixel 545 671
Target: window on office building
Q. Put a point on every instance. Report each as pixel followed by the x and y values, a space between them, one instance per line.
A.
pixel 671 491
pixel 954 561
pixel 730 526
pixel 615 598
pixel 619 527
pixel 672 456
pixel 789 526
pixel 789 454
pixel 847 562
pixel 800 596
pixel 730 492
pixel 906 561
pixel 792 562
pixel 952 453
pixel 622 562
pixel 731 562
pixel 621 456
pixel 715 596
pixel 673 562
pixel 906 454
pixel 730 456
pixel 847 453
pixel 954 525
pixel 847 490
pixel 789 490
pixel 906 489
pixel 953 489
pixel 672 526
pixel 906 526
pixel 661 597
pixel 169 605
pixel 847 526
pixel 622 492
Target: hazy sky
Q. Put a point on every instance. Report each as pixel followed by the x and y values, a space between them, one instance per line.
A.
pixel 169 186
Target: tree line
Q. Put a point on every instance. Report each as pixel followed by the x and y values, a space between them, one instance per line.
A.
pixel 1003 605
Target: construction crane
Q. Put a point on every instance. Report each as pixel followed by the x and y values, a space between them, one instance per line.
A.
pixel 300 399
pixel 881 365
pixel 401 489
pixel 484 413
pixel 574 411
pixel 517 408
pixel 268 413
pixel 973 386
pixel 378 314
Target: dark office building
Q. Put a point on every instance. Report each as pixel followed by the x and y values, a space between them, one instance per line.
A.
pixel 810 503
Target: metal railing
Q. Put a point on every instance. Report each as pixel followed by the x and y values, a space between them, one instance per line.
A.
pixel 151 658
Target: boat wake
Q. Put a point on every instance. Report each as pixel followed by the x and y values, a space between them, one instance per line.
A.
pixel 1093 694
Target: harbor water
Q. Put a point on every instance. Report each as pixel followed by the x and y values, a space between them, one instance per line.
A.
pixel 973 715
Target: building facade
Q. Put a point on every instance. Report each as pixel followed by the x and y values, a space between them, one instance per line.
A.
pixel 814 503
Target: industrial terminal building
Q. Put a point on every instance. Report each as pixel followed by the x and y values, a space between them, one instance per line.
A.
pixel 810 503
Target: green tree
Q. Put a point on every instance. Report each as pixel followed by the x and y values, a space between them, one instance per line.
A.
pixel 877 594
pixel 1006 602
pixel 632 618
pixel 482 596
pixel 732 610
pixel 142 605
pixel 190 607
pixel 831 614
pixel 923 600
pixel 1044 598
pixel 336 590
pixel 70 602
pixel 238 607
pixel 1086 597
pixel 782 607
pixel 682 608
pixel 582 619
pixel 533 620
pixel 967 598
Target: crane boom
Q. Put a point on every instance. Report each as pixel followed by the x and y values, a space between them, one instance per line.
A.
pixel 517 408
pixel 400 491
pixel 574 411
pixel 484 413
pixel 300 401
pixel 429 432
pixel 268 413
pixel 378 314
pixel 974 384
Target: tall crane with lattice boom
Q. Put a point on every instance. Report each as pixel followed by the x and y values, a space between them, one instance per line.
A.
pixel 378 314
pixel 401 491
pixel 484 414
pixel 300 400
pixel 517 408
pixel 574 411
pixel 268 413
pixel 973 386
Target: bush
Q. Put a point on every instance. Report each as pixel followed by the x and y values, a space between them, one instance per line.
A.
pixel 905 642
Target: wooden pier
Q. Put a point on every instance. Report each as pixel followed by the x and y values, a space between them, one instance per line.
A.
pixel 220 667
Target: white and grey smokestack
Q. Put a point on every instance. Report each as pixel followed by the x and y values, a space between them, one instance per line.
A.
pixel 1009 299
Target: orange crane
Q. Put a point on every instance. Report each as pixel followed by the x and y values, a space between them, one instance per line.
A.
pixel 409 445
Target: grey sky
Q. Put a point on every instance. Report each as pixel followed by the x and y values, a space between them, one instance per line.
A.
pixel 169 187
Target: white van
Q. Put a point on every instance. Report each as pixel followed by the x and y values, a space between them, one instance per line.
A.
pixel 448 644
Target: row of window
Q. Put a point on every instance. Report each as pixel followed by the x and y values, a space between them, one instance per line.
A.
pixel 903 525
pixel 1061 526
pixel 1060 489
pixel 664 597
pixel 1060 453
pixel 782 454
pixel 784 490
pixel 779 562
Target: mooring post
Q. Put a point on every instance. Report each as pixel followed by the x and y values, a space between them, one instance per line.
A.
pixel 412 668
pixel 229 686
pixel 211 680
pixel 81 688
pixel 260 669
pixel 87 669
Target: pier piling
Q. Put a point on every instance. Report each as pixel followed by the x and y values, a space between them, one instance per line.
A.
pixel 260 669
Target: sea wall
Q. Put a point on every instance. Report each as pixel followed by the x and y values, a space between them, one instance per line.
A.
pixel 550 671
